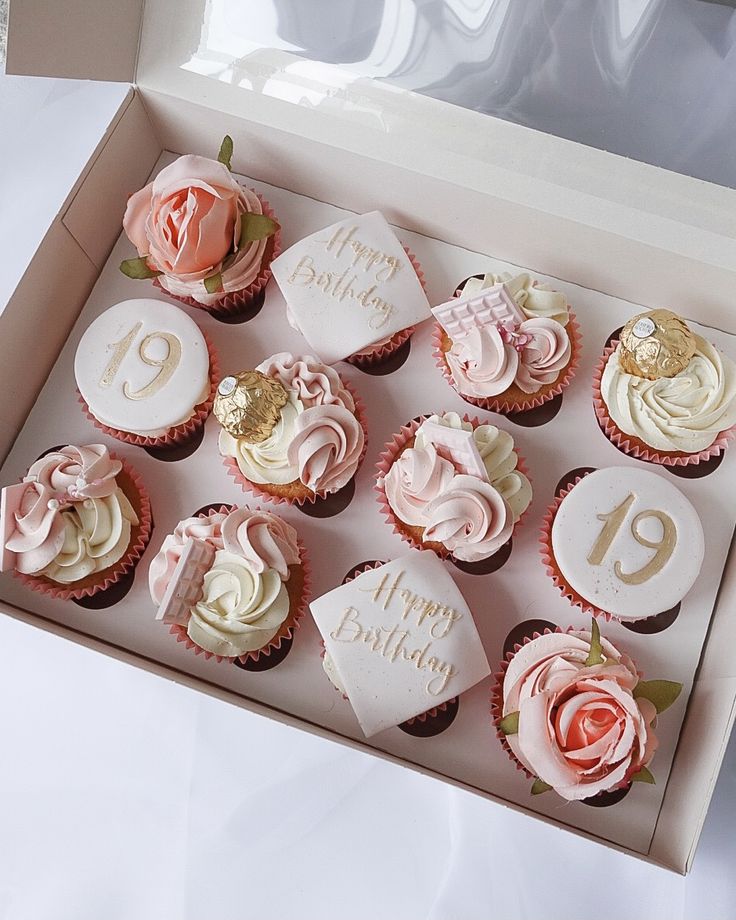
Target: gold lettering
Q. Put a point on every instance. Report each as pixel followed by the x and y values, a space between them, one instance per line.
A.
pixel 613 521
pixel 166 365
pixel 664 547
pixel 121 350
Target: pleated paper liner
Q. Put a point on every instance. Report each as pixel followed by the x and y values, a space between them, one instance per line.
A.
pixel 402 440
pixel 180 434
pixel 230 305
pixel 635 447
pixel 298 587
pixel 377 354
pixel 424 717
pixel 134 490
pixel 514 399
pixel 296 493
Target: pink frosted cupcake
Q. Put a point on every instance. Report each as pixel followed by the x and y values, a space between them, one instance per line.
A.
pixel 146 374
pixel 663 393
pixel 205 239
pixel 574 713
pixel 292 430
pixel 454 486
pixel 79 520
pixel 506 344
pixel 353 290
pixel 231 584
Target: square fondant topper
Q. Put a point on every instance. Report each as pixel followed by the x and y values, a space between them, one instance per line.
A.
pixel 350 285
pixel 401 639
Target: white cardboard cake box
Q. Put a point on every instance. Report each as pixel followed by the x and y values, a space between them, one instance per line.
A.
pixel 610 224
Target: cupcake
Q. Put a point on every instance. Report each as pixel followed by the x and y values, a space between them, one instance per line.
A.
pixel 506 344
pixel 574 713
pixel 292 430
pixel 204 238
pixel 400 642
pixel 231 584
pixel 664 394
pixel 146 374
pixel 79 520
pixel 623 542
pixel 453 486
pixel 352 290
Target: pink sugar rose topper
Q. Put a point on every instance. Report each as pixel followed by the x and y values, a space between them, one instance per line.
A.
pixel 582 726
pixel 197 228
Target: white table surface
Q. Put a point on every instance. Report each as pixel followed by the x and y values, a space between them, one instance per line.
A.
pixel 128 797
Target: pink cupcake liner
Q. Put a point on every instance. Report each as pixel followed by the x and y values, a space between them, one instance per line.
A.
pixel 235 302
pixel 286 631
pixel 231 464
pixel 181 433
pixel 498 403
pixel 388 456
pixel 376 354
pixel 635 447
pixel 121 567
pixel 496 702
pixel 422 717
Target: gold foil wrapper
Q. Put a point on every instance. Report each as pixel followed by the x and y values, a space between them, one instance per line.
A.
pixel 656 344
pixel 248 405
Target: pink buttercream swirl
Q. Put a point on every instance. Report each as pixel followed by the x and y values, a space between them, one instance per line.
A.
pixel 207 528
pixel 417 477
pixel 76 473
pixel 545 353
pixel 483 363
pixel 263 539
pixel 187 224
pixel 470 517
pixel 581 730
pixel 315 383
pixel 327 447
pixel 39 532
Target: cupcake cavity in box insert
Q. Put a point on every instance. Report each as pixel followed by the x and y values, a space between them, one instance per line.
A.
pixel 468 752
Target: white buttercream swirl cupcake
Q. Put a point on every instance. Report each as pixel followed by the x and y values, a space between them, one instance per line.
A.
pixel 454 486
pixel 246 596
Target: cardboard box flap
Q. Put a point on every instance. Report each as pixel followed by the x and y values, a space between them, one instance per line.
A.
pixel 76 38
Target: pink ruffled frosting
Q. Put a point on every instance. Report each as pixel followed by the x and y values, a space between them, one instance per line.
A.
pixel 581 730
pixel 187 225
pixel 327 446
pixel 315 383
pixel 54 483
pixel 39 531
pixel 482 363
pixel 263 539
pixel 545 354
pixel 207 528
pixel 417 477
pixel 76 473
pixel 471 518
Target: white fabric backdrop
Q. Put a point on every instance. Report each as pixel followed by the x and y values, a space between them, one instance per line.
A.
pixel 127 797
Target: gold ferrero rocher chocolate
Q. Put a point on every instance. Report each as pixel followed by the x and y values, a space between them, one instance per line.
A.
pixel 248 405
pixel 656 344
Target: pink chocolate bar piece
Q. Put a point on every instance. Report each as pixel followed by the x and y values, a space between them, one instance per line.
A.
pixel 493 305
pixel 186 585
pixel 458 446
pixel 10 499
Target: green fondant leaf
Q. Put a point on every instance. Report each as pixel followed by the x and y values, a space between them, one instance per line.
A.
pixel 226 151
pixel 662 693
pixel 595 655
pixel 539 786
pixel 643 776
pixel 213 284
pixel 256 227
pixel 509 725
pixel 138 268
